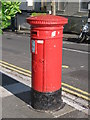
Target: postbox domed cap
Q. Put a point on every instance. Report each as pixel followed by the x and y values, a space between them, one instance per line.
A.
pixel 44 20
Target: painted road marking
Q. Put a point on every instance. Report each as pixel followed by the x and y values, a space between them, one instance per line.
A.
pixel 73 43
pixel 16 67
pixel 22 69
pixel 75 93
pixel 63 84
pixel 13 69
pixel 83 92
pixel 65 66
pixel 73 50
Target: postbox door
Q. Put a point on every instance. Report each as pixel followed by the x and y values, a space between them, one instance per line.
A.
pixel 37 64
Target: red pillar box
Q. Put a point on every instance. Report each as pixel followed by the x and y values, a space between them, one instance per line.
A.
pixel 46 49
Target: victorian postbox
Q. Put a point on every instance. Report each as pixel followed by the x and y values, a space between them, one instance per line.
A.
pixel 46 48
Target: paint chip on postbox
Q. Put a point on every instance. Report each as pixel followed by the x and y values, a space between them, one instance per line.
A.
pixel 53 34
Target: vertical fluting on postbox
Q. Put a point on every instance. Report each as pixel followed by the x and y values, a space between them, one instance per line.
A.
pixel 46 49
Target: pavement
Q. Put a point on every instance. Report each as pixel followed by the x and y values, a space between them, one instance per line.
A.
pixel 16 87
pixel 16 100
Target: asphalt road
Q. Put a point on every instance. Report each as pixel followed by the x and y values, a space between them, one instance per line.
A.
pixel 15 50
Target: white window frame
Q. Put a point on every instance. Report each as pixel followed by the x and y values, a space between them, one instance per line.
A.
pixel 59 6
pixel 81 9
pixel 30 2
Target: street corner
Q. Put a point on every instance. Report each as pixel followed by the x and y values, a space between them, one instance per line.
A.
pixel 16 100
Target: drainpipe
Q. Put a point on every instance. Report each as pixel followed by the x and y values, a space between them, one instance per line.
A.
pixel 53 6
pixel 42 5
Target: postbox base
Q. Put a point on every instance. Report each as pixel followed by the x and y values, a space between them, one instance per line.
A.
pixel 46 101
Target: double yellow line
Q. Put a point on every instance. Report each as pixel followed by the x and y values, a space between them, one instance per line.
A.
pixel 15 68
pixel 65 87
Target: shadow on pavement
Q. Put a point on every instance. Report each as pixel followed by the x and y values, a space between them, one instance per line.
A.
pixel 17 88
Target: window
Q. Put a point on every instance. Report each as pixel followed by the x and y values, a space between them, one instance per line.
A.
pixel 61 6
pixel 84 5
pixel 30 2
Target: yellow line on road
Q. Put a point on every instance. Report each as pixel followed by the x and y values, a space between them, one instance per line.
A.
pixel 65 66
pixel 28 73
pixel 22 69
pixel 81 91
pixel 75 93
pixel 13 69
pixel 19 68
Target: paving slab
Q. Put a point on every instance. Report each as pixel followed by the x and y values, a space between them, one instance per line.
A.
pixel 75 114
pixel 67 109
pixel 14 107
